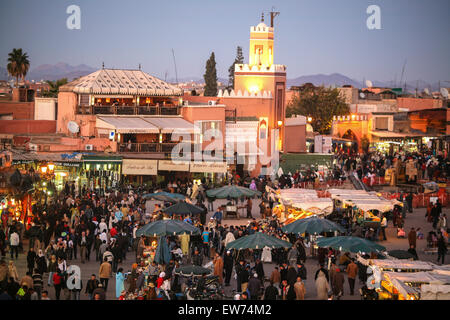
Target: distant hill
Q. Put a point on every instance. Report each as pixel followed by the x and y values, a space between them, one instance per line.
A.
pixel 58 71
pixel 65 70
pixel 334 79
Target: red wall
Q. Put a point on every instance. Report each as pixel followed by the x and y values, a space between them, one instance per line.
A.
pixel 27 126
pixel 20 110
pixel 414 104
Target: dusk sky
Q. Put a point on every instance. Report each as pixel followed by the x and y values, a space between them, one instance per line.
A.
pixel 311 36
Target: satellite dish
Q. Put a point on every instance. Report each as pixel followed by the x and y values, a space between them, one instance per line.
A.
pixel 73 127
pixel 427 91
pixel 362 95
pixel 444 92
pixel 369 84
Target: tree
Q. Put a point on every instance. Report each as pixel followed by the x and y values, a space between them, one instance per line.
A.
pixel 210 77
pixel 54 88
pixel 319 103
pixel 238 60
pixel 18 64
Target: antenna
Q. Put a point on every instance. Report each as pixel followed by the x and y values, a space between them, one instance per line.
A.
pixel 403 71
pixel 273 14
pixel 175 63
pixel 165 76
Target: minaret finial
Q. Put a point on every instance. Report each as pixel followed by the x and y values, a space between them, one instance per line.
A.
pixel 103 65
pixel 262 17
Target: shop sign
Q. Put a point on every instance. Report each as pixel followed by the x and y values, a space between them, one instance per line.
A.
pixel 209 167
pixel 22 161
pixel 67 164
pixel 140 167
pixel 169 165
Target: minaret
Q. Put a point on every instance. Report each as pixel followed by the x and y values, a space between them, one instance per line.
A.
pixel 261 45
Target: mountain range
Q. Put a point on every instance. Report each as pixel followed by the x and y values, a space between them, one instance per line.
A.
pixel 64 70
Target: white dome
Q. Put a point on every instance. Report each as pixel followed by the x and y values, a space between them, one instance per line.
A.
pixel 261 25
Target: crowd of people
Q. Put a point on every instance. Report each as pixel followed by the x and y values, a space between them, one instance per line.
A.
pixel 88 226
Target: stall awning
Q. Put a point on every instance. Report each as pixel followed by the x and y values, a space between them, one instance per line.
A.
pixel 388 134
pixel 169 125
pixel 126 125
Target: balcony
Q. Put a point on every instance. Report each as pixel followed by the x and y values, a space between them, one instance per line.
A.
pixel 148 147
pixel 129 110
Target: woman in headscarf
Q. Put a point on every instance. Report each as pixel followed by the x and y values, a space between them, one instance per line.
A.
pixel 120 278
pixel 133 278
pixel 52 268
pixel 12 271
pixel 322 286
pixel 41 262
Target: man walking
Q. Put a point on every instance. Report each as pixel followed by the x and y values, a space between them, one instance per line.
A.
pixel 92 284
pixel 105 273
pixel 442 248
pixel 205 238
pixel 352 271
pixel 14 241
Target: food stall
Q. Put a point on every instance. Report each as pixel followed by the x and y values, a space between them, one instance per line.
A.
pixel 297 203
pixel 363 205
pixel 415 286
pixel 395 279
pixel 149 251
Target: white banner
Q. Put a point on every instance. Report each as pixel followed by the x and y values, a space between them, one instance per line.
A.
pixel 168 165
pixel 140 167
pixel 209 167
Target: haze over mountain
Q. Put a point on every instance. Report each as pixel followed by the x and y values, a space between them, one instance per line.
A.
pixel 65 70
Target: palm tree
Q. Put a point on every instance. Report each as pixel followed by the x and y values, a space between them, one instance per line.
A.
pixel 18 64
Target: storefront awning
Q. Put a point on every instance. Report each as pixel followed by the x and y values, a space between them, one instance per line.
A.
pixel 169 125
pixel 102 159
pixel 388 134
pixel 126 125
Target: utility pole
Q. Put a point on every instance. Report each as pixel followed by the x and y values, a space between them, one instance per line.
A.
pixel 175 63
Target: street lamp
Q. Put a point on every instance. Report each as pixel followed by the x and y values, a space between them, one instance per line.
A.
pixel 44 169
pixel 309 119
pixel 280 123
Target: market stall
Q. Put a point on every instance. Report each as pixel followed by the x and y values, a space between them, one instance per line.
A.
pixel 364 206
pixel 296 203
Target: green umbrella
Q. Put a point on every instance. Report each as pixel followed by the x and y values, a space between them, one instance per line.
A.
pixel 258 240
pixel 231 192
pixel 400 254
pixel 167 228
pixel 164 196
pixel 350 244
pixel 183 208
pixel 313 225
pixel 191 271
pixel 162 254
